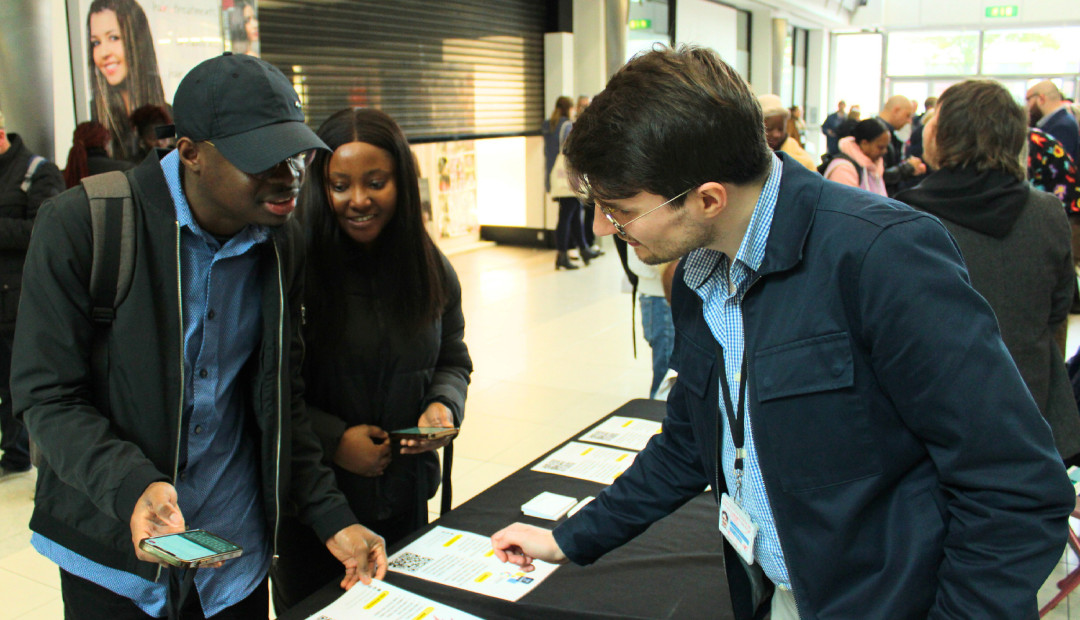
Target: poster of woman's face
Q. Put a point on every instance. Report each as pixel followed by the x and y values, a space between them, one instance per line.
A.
pixel 243 26
pixel 135 53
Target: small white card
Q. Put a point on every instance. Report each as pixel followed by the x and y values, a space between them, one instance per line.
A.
pixel 550 506
pixel 738 528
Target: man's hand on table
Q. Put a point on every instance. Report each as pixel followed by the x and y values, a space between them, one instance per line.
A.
pixel 363 553
pixel 521 544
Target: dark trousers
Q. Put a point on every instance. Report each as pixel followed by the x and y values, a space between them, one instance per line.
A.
pixel 14 440
pixel 568 232
pixel 304 564
pixel 85 600
pixel 587 217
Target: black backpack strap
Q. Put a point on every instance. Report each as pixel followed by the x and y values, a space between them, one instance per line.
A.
pixel 112 226
pixel 622 249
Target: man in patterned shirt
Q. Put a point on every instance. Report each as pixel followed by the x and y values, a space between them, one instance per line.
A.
pixel 881 456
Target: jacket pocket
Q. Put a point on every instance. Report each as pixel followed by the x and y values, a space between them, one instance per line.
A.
pixel 812 365
pixel 817 425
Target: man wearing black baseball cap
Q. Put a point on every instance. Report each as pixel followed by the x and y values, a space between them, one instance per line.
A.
pixel 190 414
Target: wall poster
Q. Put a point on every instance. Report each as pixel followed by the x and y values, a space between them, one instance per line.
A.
pixel 127 54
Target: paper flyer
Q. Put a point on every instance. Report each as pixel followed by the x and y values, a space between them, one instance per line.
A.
pixel 465 560
pixel 622 432
pixel 384 600
pixel 587 462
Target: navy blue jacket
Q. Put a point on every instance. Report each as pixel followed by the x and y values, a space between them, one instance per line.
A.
pixel 908 468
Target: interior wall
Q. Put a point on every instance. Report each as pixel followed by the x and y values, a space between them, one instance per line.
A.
pixel 708 24
pixel 26 72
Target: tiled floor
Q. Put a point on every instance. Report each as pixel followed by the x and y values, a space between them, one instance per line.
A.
pixel 552 352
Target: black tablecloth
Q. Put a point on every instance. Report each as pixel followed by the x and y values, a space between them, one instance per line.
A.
pixel 674 570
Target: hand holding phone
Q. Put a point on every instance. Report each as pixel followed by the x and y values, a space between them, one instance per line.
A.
pixel 433 430
pixel 192 548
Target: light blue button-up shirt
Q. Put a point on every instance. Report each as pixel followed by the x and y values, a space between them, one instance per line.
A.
pixel 721 285
pixel 219 486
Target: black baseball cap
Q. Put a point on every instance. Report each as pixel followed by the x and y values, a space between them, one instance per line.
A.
pixel 247 108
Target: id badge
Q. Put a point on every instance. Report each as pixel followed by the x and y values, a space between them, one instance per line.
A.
pixel 738 528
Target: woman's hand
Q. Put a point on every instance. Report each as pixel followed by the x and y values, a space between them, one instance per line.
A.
pixel 437 414
pixel 363 450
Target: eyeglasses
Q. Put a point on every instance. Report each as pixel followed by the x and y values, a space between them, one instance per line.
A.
pixel 297 164
pixel 609 212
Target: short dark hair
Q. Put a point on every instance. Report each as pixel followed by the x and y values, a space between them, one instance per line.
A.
pixel 980 126
pixel 668 120
pixel 406 265
pixel 868 130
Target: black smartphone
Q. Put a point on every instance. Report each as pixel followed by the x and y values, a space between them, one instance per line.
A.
pixel 190 548
pixel 423 432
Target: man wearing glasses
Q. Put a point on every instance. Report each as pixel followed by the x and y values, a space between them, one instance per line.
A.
pixel 842 388
pixel 194 419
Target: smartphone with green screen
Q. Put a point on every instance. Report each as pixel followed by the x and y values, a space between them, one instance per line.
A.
pixel 192 548
pixel 423 432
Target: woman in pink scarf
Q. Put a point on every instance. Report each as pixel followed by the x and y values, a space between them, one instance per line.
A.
pixel 859 163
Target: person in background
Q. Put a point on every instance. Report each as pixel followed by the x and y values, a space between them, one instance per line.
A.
pixel 1048 111
pixel 656 324
pixel 582 103
pixel 796 126
pixel 188 413
pixel 385 339
pixel 587 209
pixel 841 385
pixel 899 172
pixel 570 228
pixel 914 147
pixel 831 128
pixel 124 73
pixel 145 121
pixel 1015 239
pixel 1051 169
pixel 89 154
pixel 26 181
pixel 859 162
pixel 848 126
pixel 776 123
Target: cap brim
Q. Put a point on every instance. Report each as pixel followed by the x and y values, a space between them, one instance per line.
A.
pixel 265 147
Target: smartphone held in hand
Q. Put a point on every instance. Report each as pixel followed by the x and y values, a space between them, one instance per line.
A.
pixel 423 432
pixel 192 548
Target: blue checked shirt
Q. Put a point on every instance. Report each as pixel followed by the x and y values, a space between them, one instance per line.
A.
pixel 219 484
pixel 721 285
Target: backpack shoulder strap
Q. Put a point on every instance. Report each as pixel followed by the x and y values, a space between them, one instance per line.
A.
pixel 31 169
pixel 112 220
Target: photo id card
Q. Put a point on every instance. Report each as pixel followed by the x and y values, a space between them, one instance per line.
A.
pixel 738 528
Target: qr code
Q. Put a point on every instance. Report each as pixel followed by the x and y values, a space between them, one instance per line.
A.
pixel 603 436
pixel 409 562
pixel 557 465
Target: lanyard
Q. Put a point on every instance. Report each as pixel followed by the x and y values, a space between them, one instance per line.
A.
pixel 736 421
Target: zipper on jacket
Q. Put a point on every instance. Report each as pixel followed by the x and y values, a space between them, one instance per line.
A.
pixel 753 432
pixel 180 405
pixel 280 366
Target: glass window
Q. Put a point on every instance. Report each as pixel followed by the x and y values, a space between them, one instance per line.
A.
pixel 933 53
pixel 1031 51
pixel 858 72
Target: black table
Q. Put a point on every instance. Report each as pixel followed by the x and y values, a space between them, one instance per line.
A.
pixel 674 570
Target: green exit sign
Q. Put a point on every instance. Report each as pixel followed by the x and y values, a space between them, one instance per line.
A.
pixel 640 24
pixel 1003 11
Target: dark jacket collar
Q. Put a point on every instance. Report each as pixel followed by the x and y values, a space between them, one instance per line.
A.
pixel 14 152
pixel 800 190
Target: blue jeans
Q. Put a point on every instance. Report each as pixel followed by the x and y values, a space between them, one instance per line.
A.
pixel 659 333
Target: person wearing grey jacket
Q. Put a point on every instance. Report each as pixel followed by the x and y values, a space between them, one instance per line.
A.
pixel 1015 239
